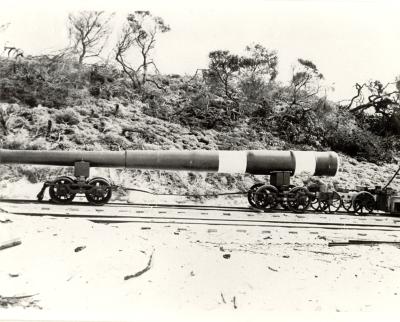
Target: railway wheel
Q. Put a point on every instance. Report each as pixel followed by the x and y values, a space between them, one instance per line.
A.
pixel 331 203
pixel 266 197
pixel 60 191
pixel 314 203
pixel 100 191
pixel 251 194
pixel 298 199
pixel 363 203
pixel 347 205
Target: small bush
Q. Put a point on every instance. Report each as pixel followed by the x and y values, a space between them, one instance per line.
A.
pixel 67 116
pixel 358 143
pixel 204 112
pixel 38 144
pixel 115 142
pixel 344 134
pixel 16 141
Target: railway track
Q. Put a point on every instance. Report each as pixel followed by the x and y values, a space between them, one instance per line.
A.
pixel 126 204
pixel 184 206
pixel 198 215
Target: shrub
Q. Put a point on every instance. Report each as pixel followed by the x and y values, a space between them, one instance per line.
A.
pixel 115 142
pixel 344 134
pixel 209 113
pixel 297 127
pixel 37 144
pixel 16 141
pixel 67 116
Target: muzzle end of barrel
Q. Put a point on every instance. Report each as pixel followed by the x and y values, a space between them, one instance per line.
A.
pixel 327 163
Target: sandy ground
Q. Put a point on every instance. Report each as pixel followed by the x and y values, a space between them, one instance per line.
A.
pixel 75 269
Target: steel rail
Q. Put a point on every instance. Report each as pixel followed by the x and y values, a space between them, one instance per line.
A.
pixel 200 207
pixel 217 221
pixel 196 207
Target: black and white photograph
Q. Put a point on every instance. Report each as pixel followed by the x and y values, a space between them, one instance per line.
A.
pixel 199 160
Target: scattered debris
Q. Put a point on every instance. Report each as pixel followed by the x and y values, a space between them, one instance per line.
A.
pixel 24 301
pixel 221 249
pixel 226 256
pixel 222 297
pixel 390 268
pixel 13 275
pixel 78 249
pixel 272 269
pixel 5 221
pixel 363 242
pixel 286 256
pixel 176 232
pixel 192 273
pixel 11 243
pixel 144 270
pixel 234 302
pixel 318 252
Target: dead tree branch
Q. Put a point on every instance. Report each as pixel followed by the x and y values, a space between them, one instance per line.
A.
pixel 141 272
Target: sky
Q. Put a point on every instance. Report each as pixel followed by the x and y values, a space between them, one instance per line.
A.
pixel 349 41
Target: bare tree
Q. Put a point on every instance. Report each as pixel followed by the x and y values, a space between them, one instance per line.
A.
pixel 2 28
pixel 13 52
pixel 259 67
pixel 88 32
pixel 378 97
pixel 224 68
pixel 383 99
pixel 140 32
pixel 305 81
pixel 261 62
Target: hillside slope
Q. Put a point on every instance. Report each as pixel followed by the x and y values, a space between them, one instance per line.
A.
pixel 62 106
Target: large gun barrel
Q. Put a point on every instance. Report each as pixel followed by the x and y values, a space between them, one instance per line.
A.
pixel 261 162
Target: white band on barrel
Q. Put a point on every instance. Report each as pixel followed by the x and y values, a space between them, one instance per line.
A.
pixel 305 162
pixel 338 162
pixel 232 161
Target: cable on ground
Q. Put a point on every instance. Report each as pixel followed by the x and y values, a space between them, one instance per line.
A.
pixel 182 195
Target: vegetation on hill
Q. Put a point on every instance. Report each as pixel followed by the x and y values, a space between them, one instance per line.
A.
pixel 58 101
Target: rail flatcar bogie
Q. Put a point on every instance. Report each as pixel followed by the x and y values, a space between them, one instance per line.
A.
pixel 279 193
pixel 329 202
pixel 63 190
